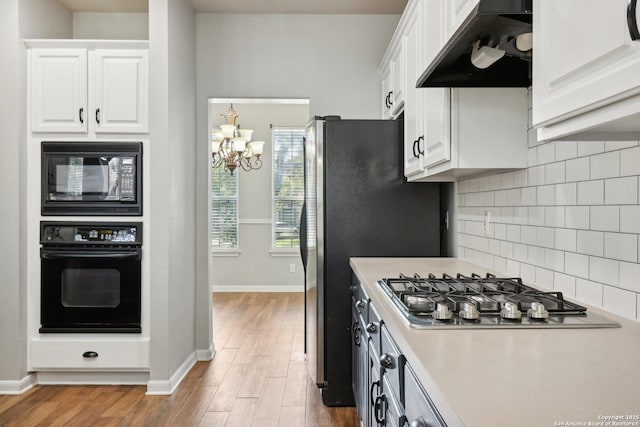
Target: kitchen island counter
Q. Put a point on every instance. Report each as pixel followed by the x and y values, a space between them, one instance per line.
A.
pixel 513 377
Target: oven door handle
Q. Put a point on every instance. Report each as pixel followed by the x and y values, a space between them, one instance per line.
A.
pixel 89 255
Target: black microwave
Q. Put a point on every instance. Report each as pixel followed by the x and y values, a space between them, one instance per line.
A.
pixel 91 178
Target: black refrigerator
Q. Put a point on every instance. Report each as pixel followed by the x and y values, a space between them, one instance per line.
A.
pixel 357 203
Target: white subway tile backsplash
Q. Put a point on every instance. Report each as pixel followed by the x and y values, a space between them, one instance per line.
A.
pixel 565 239
pixel 554 260
pixel 555 173
pixel 619 145
pixel 577 169
pixel 500 231
pixel 590 243
pixel 506 180
pixel 546 195
pixel 621 191
pixel 566 150
pixel 520 252
pixel 483 184
pixel 565 284
pixel 528 235
pixel 621 246
pixel 605 218
pixel 589 292
pixel 604 270
pixel 500 198
pixel 513 268
pixel 500 265
pixel 587 148
pixel 546 237
pixel 630 276
pixel 546 153
pixel 566 194
pixel 605 165
pixel 536 216
pixel 506 249
pixel 544 277
pixel 507 215
pixel 554 216
pixel 513 197
pixel 630 219
pixel 577 217
pixel 536 175
pixel 513 233
pixel 536 256
pixel 532 157
pixel 520 178
pixel 521 215
pixel 494 182
pixel 591 192
pixel 528 273
pixel 619 301
pixel 487 260
pixel 528 196
pixel 576 264
pixel 494 246
pixel 630 162
pixel 472 185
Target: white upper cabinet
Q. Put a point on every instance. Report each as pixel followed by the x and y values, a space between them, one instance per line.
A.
pixel 89 90
pixel 59 90
pixel 398 77
pixel 413 117
pixel 454 14
pixel 121 101
pixel 586 69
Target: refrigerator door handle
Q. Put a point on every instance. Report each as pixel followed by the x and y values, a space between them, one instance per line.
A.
pixel 303 236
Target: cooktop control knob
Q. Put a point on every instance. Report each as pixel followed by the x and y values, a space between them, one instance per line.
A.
pixel 442 312
pixel 537 311
pixel 469 312
pixel 510 311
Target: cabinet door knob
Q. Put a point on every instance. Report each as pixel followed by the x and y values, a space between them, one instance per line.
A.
pixel 81 115
pixel 360 303
pixel 387 361
pixel 418 423
pixel 371 328
pixel 632 21
pixel 98 115
pixel 89 354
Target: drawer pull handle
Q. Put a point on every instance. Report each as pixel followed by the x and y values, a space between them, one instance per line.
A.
pixel 380 409
pixel 89 354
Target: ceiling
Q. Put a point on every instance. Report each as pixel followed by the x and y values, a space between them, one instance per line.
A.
pixel 394 7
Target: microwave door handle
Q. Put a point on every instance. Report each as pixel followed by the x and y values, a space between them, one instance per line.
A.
pixel 89 255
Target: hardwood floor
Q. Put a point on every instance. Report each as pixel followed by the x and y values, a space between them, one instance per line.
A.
pixel 258 378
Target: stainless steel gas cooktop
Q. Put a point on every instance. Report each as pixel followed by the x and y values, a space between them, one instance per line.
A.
pixel 488 301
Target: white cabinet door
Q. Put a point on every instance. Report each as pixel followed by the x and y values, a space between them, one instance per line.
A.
pixel 455 12
pixel 412 110
pixel 386 91
pixel 58 87
pixel 437 127
pixel 584 57
pixel 398 78
pixel 121 97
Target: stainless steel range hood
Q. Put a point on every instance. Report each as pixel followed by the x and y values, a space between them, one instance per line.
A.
pixel 494 27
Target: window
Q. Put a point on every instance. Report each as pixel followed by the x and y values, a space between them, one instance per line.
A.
pixel 224 210
pixel 288 186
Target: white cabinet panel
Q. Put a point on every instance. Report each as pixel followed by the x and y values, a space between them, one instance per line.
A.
pixel 413 112
pixel 455 12
pixel 89 90
pixel 437 127
pixel 110 354
pixel 58 90
pixel 121 91
pixel 584 59
pixel 398 78
pixel 386 84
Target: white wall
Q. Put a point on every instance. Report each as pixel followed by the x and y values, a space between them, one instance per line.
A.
pixel 113 26
pixel 171 202
pixel 18 19
pixel 266 271
pixel 570 221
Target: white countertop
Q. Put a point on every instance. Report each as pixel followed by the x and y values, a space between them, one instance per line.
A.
pixel 513 377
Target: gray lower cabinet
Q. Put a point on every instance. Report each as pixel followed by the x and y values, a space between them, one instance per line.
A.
pixel 386 390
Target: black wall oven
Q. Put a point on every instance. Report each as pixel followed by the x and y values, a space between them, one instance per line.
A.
pixel 90 277
pixel 91 178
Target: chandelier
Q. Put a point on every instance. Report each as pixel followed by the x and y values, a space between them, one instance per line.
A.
pixel 231 146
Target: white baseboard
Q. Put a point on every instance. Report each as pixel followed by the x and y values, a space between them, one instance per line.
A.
pixel 207 354
pixel 91 378
pixel 165 388
pixel 18 387
pixel 256 288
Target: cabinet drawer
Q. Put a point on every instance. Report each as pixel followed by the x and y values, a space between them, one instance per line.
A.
pixel 392 363
pixel 359 299
pixel 392 416
pixel 417 404
pixel 110 354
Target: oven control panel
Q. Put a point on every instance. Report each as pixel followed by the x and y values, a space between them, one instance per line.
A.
pixel 59 232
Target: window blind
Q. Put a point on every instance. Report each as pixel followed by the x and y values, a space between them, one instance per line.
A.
pixel 224 209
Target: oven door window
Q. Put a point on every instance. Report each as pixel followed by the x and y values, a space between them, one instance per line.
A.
pixel 90 287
